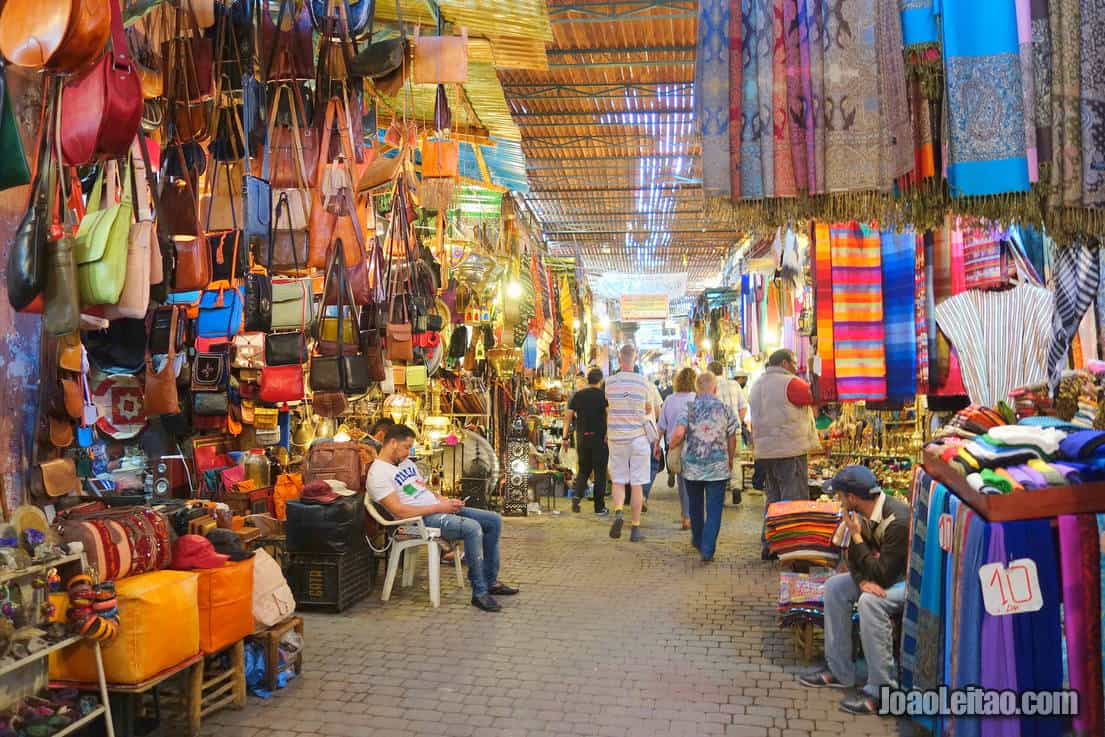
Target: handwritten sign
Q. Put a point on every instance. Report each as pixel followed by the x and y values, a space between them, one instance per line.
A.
pixel 1011 589
pixel 947 530
pixel 644 307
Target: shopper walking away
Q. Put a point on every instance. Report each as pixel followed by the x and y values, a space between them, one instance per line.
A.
pixel 733 396
pixel 656 463
pixel 672 410
pixel 878 549
pixel 587 409
pixel 783 432
pixel 630 450
pixel 709 432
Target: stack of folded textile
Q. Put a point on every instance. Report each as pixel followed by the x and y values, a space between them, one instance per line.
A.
pixel 970 422
pixel 802 598
pixel 1029 401
pixel 801 530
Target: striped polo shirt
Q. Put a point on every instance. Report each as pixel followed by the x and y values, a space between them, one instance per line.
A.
pixel 627 393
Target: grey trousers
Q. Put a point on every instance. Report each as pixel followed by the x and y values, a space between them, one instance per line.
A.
pixel 785 480
pixel 876 632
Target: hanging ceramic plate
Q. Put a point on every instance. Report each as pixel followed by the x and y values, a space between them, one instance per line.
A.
pixel 118 399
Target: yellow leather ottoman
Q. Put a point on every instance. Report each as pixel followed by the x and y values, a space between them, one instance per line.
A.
pixel 225 605
pixel 158 628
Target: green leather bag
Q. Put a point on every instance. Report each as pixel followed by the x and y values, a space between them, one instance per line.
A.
pixel 292 306
pixel 102 244
pixel 14 172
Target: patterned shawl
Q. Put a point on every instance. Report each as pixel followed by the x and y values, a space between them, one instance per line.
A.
pixel 1066 114
pixel 1028 85
pixel 858 330
pixel 898 284
pixel 736 34
pixel 984 85
pixel 1041 73
pixel 755 99
pixel 783 55
pixel 797 113
pixel 1079 555
pixel 918 534
pixel 918 23
pixel 1093 102
pixel 1076 280
pixel 712 94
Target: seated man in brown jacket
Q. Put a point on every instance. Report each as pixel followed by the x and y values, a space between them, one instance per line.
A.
pixel 877 554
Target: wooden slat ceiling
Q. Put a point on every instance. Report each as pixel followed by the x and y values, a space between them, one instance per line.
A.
pixel 612 156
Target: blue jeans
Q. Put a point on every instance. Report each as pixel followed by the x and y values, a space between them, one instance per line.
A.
pixel 480 531
pixel 706 500
pixel 684 505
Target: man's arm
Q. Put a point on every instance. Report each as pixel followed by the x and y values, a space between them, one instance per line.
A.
pixel 732 448
pixel 887 566
pixel 569 416
pixel 678 436
pixel 799 393
pixel 400 510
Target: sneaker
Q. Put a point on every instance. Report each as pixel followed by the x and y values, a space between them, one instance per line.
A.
pixel 862 705
pixel 635 534
pixel 602 512
pixel 821 679
pixel 616 528
pixel 486 602
pixel 737 497
pixel 501 589
pixel 575 505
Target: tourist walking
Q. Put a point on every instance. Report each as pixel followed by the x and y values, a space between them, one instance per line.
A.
pixel 587 410
pixel 627 393
pixel 709 433
pixel 733 396
pixel 672 411
pixel 783 431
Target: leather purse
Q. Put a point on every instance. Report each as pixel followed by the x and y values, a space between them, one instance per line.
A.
pixel 416 377
pixel 281 384
pixel 15 172
pixel 257 209
pixel 211 371
pixel 210 404
pixel 224 207
pixel 102 246
pixel 292 306
pixel 188 78
pixel 59 477
pixel 287 44
pixel 28 255
pixel 287 252
pixel 220 313
pixel 101 108
pixel 62 313
pixel 249 351
pixel 285 349
pixel 336 461
pixel 440 59
pixel 366 278
pixel 65 36
pixel 143 256
pixel 161 396
pixel 341 371
pixel 163 338
pixel 400 346
pixel 258 306
pixel 229 257
pixel 440 159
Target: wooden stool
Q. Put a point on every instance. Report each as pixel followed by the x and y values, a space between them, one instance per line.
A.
pixel 270 641
pixel 805 640
pixel 202 694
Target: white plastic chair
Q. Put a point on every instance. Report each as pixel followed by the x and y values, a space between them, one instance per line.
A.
pixel 407 535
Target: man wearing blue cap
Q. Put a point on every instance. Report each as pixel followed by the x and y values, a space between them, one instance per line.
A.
pixel 877 554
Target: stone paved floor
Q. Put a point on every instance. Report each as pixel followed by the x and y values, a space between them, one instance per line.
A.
pixel 607 639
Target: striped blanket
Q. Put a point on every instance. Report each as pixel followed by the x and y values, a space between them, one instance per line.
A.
pixel 899 307
pixel 823 301
pixel 858 331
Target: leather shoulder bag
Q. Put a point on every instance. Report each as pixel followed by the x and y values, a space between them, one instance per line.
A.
pixel 102 245
pixel 64 36
pixel 15 172
pixel 161 396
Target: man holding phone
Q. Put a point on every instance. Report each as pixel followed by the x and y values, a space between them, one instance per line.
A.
pixel 396 483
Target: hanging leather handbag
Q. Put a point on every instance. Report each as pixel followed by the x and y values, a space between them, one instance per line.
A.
pixel 62 313
pixel 210 404
pixel 163 338
pixel 257 208
pixel 285 349
pixel 366 278
pixel 291 151
pixel 249 351
pixel 292 306
pixel 101 108
pixel 211 371
pixel 193 263
pixel 342 371
pixel 281 384
pixel 229 259
pixel 223 207
pixel 357 15
pixel 15 172
pixel 161 396
pixel 102 245
pixel 440 59
pixel 220 313
pixel 63 36
pixel 258 306
pixel 27 256
pixel 400 346
pixel 416 377
pixel 287 252
pixel 189 78
pixel 287 43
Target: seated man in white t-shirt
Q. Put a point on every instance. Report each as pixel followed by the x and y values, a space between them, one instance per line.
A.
pixel 395 482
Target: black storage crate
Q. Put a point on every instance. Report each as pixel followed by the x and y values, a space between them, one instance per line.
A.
pixel 331 582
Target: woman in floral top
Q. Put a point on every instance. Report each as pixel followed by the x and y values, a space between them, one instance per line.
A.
pixel 708 430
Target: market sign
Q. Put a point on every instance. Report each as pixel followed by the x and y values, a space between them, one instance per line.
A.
pixel 644 307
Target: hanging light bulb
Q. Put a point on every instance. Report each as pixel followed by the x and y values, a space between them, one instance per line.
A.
pixel 513 289
pixel 575 324
pixel 707 344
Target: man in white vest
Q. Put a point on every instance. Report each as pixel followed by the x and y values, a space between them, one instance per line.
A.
pixel 783 431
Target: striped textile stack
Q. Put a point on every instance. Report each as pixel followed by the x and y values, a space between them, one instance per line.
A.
pixel 803 531
pixel 859 333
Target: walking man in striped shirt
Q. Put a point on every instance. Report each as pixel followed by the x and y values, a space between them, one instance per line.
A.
pixel 630 451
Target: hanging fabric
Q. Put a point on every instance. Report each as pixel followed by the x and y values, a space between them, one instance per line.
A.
pixel 1076 283
pixel 712 96
pixel 858 330
pixel 899 307
pixel 823 304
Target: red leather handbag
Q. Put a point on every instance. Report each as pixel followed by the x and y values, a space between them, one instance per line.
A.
pixel 101 108
pixel 282 384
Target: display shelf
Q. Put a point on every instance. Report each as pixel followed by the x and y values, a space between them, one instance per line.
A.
pixel 1019 505
pixel 82 722
pixel 6 576
pixel 882 456
pixel 8 667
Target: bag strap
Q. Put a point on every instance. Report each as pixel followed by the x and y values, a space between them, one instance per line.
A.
pixel 283 206
pixel 297 139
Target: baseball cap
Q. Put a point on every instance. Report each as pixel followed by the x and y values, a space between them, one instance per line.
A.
pixel 858 480
pixel 195 551
pixel 319 492
pixel 229 543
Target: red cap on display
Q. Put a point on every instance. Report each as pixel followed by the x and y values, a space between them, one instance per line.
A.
pixel 195 551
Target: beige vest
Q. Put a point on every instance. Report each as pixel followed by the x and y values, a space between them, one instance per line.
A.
pixel 779 428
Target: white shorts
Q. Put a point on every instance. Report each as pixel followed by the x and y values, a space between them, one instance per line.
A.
pixel 631 462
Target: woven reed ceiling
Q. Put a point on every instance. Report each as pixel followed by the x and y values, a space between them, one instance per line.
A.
pixel 612 157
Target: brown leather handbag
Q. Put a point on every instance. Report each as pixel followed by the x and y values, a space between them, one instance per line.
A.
pixel 286 44
pixel 59 477
pixel 161 396
pixel 333 221
pixel 440 59
pixel 62 35
pixel 331 460
pixel 101 108
pixel 188 69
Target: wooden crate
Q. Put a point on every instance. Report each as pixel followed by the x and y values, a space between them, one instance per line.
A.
pixel 270 640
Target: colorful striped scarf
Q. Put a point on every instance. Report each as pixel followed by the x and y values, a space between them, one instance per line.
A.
pixel 983 85
pixel 858 331
pixel 712 94
pixel 1077 278
pixel 984 267
pixel 1079 555
pixel 899 308
pixel 920 315
pixel 823 300
pixel 918 534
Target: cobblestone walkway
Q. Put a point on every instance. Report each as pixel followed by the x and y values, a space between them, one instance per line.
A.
pixel 607 639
